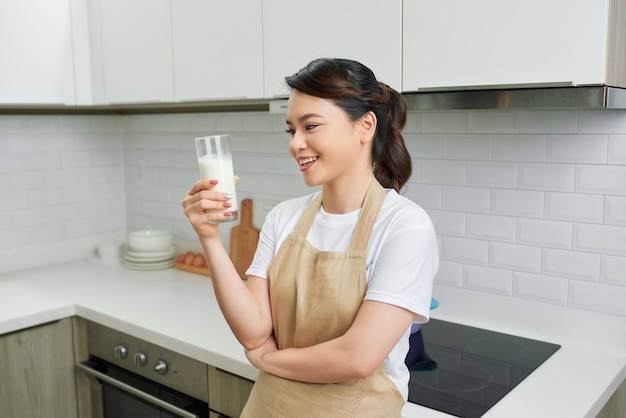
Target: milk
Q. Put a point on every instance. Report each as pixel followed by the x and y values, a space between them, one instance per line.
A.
pixel 212 168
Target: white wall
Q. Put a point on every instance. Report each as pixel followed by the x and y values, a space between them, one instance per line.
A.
pixel 61 177
pixel 527 203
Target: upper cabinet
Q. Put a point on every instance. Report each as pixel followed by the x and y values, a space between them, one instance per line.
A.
pixel 456 43
pixel 131 51
pixel 37 52
pixel 110 52
pixel 156 51
pixel 295 33
pixel 217 49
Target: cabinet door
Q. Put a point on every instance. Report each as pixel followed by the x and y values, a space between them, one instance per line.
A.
pixel 37 372
pixel 136 50
pixel 217 49
pixel 295 33
pixel 228 393
pixel 36 52
pixel 452 43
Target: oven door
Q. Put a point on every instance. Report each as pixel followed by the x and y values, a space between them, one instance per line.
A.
pixel 126 395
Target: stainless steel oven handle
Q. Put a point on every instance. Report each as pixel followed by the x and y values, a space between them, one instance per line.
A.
pixel 136 392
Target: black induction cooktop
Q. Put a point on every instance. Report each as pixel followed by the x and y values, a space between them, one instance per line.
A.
pixel 467 370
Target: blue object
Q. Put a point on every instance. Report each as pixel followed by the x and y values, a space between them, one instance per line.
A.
pixel 416 327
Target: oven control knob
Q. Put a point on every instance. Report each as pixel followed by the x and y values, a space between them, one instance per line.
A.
pixel 140 359
pixel 160 366
pixel 120 352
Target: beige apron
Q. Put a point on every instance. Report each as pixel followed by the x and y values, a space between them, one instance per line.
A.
pixel 315 296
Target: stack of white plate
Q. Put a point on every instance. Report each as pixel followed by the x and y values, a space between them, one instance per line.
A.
pixel 149 260
pixel 149 250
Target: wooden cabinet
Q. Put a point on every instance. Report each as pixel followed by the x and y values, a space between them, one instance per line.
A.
pixel 37 372
pixel 368 31
pixel 228 393
pixel 455 43
pixel 36 47
pixel 616 405
pixel 132 48
pixel 217 49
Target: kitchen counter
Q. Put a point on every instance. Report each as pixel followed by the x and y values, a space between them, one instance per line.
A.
pixel 178 311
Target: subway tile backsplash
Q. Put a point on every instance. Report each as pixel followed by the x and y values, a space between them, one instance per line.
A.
pixel 528 204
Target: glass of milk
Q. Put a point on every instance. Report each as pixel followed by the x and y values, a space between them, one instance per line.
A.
pixel 216 163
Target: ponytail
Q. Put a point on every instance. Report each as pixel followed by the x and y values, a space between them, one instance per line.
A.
pixel 390 157
pixel 354 88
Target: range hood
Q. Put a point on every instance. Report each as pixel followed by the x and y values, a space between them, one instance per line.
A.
pixel 581 97
pixel 470 98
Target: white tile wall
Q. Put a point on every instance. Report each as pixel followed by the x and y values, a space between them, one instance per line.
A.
pixel 529 148
pixel 466 199
pixel 575 207
pixel 542 233
pixel 527 203
pixel 571 264
pixel 61 177
pixel 613 269
pixel 491 227
pixel 538 287
pixel 573 148
pixel 515 257
pixel 490 280
pixel 601 179
pixel 617 149
pixel 615 210
pixel 548 177
pixel 449 223
pixel 517 203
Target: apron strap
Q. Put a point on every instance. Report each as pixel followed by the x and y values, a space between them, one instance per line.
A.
pixel 307 218
pixel 371 206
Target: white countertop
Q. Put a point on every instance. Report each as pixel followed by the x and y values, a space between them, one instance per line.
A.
pixel 178 310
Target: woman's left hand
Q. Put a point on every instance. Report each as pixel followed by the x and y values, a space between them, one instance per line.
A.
pixel 255 356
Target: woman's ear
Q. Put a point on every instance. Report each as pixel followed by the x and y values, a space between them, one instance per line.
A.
pixel 367 125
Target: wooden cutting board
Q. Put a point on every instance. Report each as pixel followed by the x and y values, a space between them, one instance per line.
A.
pixel 243 239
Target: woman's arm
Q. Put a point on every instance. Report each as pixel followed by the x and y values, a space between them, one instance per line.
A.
pixel 245 306
pixel 356 354
pixel 404 272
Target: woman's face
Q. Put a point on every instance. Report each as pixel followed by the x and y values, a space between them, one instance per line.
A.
pixel 325 143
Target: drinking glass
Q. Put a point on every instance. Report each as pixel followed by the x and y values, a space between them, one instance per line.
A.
pixel 216 163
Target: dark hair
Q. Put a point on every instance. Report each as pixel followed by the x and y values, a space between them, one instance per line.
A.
pixel 354 88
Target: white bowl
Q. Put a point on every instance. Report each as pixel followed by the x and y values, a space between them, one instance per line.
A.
pixel 150 240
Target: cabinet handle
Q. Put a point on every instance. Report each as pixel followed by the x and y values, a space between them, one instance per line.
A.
pixel 136 392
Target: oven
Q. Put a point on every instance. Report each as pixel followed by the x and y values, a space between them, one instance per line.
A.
pixel 464 371
pixel 130 377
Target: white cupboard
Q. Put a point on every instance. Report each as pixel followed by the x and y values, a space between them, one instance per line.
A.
pixel 456 43
pixel 37 52
pixel 294 33
pixel 93 52
pixel 132 42
pixel 217 49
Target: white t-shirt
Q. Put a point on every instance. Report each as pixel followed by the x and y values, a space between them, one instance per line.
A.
pixel 402 257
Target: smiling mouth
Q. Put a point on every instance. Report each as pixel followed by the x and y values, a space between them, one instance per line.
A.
pixel 304 162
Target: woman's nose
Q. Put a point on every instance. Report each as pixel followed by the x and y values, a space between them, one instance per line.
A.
pixel 297 142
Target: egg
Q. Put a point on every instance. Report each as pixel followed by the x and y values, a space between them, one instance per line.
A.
pixel 198 260
pixel 189 258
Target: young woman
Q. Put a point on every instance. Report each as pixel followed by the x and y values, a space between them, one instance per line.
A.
pixel 339 275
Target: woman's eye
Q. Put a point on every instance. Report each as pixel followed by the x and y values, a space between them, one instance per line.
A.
pixel 290 132
pixel 309 127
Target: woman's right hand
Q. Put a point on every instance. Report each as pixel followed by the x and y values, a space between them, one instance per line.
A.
pixel 202 205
